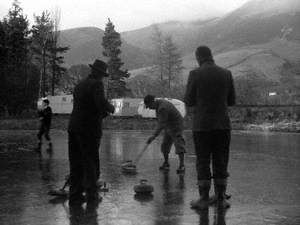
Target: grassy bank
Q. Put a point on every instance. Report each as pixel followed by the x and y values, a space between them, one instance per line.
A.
pixel 20 134
pixel 61 123
pixel 117 123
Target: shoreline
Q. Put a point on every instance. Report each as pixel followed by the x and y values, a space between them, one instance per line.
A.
pixel 136 123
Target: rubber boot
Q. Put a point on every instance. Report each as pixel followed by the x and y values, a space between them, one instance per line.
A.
pixel 203 202
pixel 204 217
pixel 220 186
pixel 219 216
pixel 76 190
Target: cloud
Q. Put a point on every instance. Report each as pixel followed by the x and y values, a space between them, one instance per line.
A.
pixel 126 15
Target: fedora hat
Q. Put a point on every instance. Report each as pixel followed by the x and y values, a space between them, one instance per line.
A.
pixel 100 66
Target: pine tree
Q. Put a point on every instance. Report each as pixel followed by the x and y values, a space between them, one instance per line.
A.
pixel 111 43
pixel 3 63
pixel 19 75
pixel 158 62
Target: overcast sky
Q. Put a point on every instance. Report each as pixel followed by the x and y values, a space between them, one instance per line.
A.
pixel 125 14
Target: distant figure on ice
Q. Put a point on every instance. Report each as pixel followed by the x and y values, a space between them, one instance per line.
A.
pixel 171 121
pixel 45 116
pixel 85 130
pixel 210 90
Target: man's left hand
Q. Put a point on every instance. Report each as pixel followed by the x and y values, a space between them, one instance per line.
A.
pixel 150 139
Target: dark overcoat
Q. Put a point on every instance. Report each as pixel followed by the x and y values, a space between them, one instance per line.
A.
pixel 89 107
pixel 210 90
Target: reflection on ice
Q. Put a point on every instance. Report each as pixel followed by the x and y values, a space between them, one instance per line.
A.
pixel 264 183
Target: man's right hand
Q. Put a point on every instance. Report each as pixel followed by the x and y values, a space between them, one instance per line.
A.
pixel 111 109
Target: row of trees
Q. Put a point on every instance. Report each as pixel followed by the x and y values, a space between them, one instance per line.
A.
pixel 31 60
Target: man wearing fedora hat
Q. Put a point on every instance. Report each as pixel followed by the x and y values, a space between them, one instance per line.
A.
pixel 85 129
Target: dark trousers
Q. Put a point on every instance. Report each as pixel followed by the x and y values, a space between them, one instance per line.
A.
pixel 212 147
pixel 84 162
pixel 44 129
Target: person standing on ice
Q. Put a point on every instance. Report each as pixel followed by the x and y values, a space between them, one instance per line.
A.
pixel 171 122
pixel 210 90
pixel 45 117
pixel 84 132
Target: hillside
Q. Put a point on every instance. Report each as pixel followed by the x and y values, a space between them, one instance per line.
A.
pixel 266 59
pixel 183 34
pixel 255 22
pixel 257 69
pixel 258 38
pixel 85 46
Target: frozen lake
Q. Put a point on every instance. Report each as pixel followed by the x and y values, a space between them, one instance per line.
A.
pixel 264 183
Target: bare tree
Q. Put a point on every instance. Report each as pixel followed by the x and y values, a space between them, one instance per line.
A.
pixel 41 41
pixel 172 61
pixel 56 15
pixel 56 58
pixel 72 77
pixel 167 60
pixel 158 42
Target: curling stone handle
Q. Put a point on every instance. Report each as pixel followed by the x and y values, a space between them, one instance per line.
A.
pixel 143 181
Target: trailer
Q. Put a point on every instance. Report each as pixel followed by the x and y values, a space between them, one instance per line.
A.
pixel 124 107
pixel 60 104
pixel 63 104
pixel 127 107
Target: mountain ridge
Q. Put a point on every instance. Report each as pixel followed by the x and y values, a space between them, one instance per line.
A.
pixel 85 46
pixel 237 29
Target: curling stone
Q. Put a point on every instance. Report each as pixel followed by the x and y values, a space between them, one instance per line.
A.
pixel 127 163
pixel 143 198
pixel 128 167
pixel 143 187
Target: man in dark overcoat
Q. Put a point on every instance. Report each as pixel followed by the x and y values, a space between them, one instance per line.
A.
pixel 210 90
pixel 85 129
